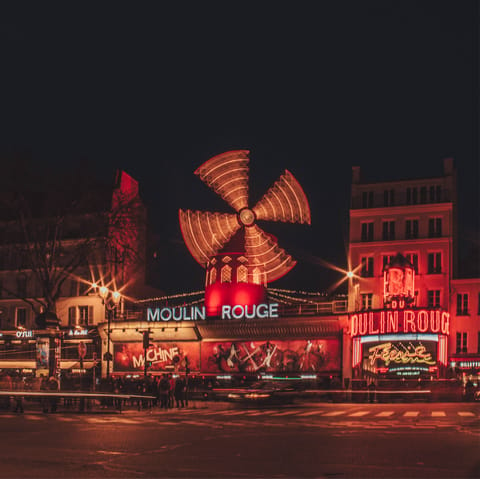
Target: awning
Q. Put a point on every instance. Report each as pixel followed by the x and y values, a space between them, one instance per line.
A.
pixel 18 365
pixel 76 364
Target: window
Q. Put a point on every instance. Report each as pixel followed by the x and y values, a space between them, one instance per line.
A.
pixel 423 194
pixel 387 258
pixel 411 229
pixel 435 194
pixel 462 304
pixel 388 230
pixel 433 298
pixel 257 276
pixel 413 259
pixel 412 196
pixel 461 342
pixel 367 301
pixel 388 197
pixel 367 267
pixel 367 199
pixel 367 231
pixel 226 274
pixel 242 274
pixel 434 263
pixel 213 275
pixel 21 317
pixel 435 227
pixel 22 285
pixel 80 315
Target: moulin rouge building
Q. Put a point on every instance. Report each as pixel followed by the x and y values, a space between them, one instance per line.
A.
pixel 407 314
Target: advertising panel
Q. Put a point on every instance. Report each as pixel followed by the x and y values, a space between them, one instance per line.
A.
pixel 403 358
pixel 42 356
pixel 174 356
pixel 272 356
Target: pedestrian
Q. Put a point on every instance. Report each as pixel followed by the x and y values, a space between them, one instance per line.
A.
pixel 179 392
pixel 164 389
pixel 171 391
pixel 52 386
pixel 18 386
pixel 44 388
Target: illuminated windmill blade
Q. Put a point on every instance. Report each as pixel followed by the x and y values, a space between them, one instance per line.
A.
pixel 262 250
pixel 227 175
pixel 206 233
pixel 284 201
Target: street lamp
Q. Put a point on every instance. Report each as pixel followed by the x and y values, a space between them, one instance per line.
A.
pixel 110 299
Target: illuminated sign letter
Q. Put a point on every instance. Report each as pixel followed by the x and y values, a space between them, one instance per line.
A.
pixel 152 316
pixel 435 321
pixel 273 310
pixel 240 313
pixel 353 325
pixel 363 323
pixel 392 322
pixel 226 311
pixel 409 319
pixel 262 310
pixel 168 316
pixel 371 329
pixel 422 321
pixel 445 323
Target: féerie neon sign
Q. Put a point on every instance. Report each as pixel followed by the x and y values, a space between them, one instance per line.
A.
pixel 400 354
pixel 195 313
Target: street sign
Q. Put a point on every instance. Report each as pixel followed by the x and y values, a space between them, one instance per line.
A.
pixel 82 349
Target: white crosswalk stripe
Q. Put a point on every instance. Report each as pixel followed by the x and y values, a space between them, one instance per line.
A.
pixel 438 414
pixel 412 413
pixel 334 413
pixel 359 413
pixel 385 413
pixel 309 413
pixel 284 413
pixel 465 413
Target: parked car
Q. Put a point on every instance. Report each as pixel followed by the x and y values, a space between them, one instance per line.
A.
pixel 271 392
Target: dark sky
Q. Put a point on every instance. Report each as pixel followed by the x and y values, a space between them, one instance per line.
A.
pixel 313 87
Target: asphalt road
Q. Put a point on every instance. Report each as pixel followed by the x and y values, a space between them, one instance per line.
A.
pixel 215 440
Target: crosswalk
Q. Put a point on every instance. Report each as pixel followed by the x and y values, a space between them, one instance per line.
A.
pixel 213 417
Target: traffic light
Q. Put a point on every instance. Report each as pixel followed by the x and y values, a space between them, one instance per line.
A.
pixel 146 339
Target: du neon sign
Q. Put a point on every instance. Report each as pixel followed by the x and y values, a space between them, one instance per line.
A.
pixel 399 321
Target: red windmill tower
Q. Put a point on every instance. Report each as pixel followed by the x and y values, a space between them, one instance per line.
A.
pixel 240 258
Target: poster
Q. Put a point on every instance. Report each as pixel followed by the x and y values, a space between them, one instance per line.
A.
pixel 314 355
pixel 172 357
pixel 42 353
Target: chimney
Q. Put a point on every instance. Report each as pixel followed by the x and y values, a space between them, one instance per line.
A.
pixel 355 175
pixel 448 167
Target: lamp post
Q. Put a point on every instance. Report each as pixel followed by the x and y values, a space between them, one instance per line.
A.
pixel 110 299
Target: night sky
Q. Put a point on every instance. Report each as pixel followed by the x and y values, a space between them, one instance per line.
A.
pixel 312 87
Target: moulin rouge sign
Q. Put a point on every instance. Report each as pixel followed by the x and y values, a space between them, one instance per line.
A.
pixel 195 313
pixel 393 321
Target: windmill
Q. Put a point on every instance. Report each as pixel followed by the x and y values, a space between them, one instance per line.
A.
pixel 240 257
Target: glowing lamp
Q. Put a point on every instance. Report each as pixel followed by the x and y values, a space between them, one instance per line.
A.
pixel 116 297
pixel 103 292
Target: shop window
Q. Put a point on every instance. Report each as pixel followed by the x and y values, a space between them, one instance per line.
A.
pixel 367 267
pixel 242 274
pixel 433 298
pixel 434 263
pixel 462 304
pixel 21 317
pixel 461 342
pixel 388 230
pixel 226 274
pixel 367 301
pixel 367 231
pixel 411 229
pixel 435 227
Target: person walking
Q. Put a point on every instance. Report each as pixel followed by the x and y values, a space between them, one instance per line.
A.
pixel 52 386
pixel 179 392
pixel 164 389
pixel 18 386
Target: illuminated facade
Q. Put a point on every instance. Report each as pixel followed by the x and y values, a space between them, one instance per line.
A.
pixel 424 331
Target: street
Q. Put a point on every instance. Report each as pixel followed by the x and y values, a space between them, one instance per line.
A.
pixel 220 440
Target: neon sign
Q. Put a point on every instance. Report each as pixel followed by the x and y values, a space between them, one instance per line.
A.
pixel 195 313
pixel 24 334
pixel 399 321
pixel 78 332
pixel 400 354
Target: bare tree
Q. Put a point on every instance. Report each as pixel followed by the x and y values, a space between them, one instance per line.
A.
pixel 58 233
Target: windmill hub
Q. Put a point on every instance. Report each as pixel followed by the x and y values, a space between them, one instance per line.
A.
pixel 247 217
